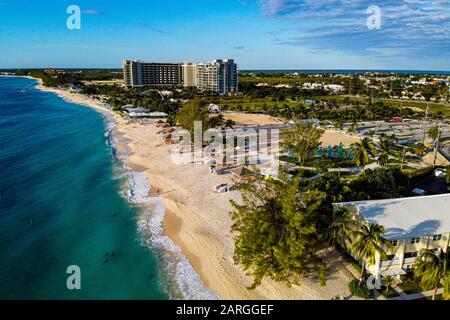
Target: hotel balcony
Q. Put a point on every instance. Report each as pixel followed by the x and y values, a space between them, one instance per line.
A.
pixel 409 260
pixel 390 263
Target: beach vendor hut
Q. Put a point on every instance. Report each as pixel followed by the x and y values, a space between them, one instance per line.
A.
pixel 242 174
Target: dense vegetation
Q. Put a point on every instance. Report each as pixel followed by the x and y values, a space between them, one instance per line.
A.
pixel 278 216
pixel 360 290
pixel 276 232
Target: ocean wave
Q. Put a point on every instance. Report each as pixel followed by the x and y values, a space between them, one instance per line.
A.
pixel 177 265
pixel 179 271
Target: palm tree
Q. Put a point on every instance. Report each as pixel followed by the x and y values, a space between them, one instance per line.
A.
pixel 339 123
pixel 393 138
pixel 229 124
pixel 340 227
pixel 303 139
pixel 383 152
pixel 418 149
pixel 362 150
pixel 368 242
pixel 435 134
pixel 432 268
pixel 389 282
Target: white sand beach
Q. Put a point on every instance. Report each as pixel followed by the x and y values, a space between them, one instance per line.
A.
pixel 197 219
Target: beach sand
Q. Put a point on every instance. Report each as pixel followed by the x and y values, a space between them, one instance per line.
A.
pixel 197 219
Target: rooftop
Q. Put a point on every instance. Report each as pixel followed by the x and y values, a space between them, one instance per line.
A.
pixel 408 217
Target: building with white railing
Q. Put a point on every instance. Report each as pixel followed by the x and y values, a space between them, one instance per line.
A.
pixel 411 225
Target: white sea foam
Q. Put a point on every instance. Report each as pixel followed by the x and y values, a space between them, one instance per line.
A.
pixel 177 265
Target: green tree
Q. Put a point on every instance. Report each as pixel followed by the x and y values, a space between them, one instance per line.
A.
pixel 340 228
pixel 275 232
pixel 383 151
pixel 229 124
pixel 432 269
pixel 367 242
pixel 447 175
pixel 380 183
pixel 361 151
pixel 389 282
pixel 192 111
pixel 339 123
pixel 434 133
pixel 417 148
pixel 303 139
pixel 216 121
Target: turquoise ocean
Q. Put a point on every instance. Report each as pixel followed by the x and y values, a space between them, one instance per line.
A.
pixel 63 202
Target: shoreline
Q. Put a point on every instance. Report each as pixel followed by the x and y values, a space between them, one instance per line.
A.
pixel 150 222
pixel 193 222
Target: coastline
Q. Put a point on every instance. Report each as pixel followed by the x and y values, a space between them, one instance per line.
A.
pixel 190 221
pixel 185 283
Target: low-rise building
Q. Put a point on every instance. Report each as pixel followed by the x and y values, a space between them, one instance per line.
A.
pixel 411 225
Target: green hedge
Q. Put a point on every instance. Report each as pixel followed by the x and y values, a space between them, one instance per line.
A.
pixel 420 175
pixel 360 290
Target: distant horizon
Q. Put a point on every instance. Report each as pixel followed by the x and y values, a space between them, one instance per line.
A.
pixel 323 70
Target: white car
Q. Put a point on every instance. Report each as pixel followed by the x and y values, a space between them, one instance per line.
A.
pixel 224 187
pixel 220 187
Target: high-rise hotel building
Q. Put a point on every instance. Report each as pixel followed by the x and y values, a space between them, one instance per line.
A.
pixel 139 74
pixel 218 76
pixel 189 72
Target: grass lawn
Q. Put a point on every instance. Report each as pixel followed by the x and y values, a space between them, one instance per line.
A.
pixel 256 106
pixel 434 107
pixel 330 163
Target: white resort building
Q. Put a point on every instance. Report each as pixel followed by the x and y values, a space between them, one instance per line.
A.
pixel 411 225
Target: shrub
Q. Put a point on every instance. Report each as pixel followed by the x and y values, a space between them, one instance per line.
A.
pixel 381 183
pixel 420 175
pixel 360 290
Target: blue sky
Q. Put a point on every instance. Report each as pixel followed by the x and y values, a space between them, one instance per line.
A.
pixel 259 34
